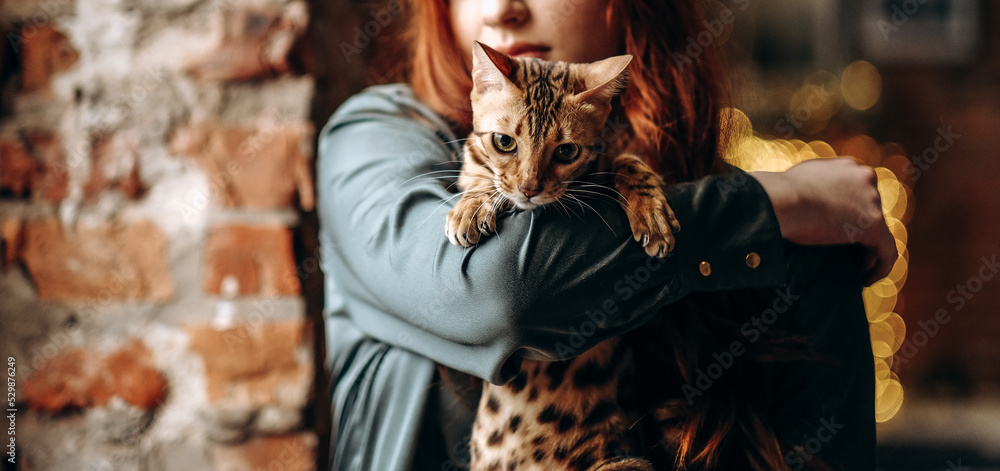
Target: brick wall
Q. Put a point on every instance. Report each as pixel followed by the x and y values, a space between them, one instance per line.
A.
pixel 155 179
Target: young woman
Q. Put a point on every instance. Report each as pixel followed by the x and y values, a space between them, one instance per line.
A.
pixel 401 298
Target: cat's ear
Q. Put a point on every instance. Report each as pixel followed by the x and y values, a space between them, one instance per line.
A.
pixel 491 69
pixel 605 78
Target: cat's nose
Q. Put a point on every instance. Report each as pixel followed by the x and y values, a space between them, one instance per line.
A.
pixel 529 192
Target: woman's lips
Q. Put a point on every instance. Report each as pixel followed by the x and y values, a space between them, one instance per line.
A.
pixel 524 50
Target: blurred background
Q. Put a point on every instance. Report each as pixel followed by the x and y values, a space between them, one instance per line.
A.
pixel 911 88
pixel 160 294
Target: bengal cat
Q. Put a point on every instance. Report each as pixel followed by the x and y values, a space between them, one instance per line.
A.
pixel 536 136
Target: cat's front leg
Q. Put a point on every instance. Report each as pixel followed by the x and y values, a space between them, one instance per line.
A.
pixel 641 193
pixel 474 216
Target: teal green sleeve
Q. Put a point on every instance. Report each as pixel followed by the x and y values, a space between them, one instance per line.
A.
pixel 549 285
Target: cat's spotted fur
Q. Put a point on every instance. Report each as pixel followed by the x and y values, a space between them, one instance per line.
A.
pixel 537 127
pixel 561 415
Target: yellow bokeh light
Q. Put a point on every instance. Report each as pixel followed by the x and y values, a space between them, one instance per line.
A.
pixel 883 287
pixel 889 402
pixel 881 348
pixel 785 146
pixel 898 209
pixel 882 299
pixel 822 149
pixel 880 384
pixel 863 148
pixel 895 322
pixel 735 127
pixel 885 174
pixel 899 271
pixel 897 229
pixel 881 369
pixel 811 103
pixel 878 307
pixel 891 191
pixel 887 335
pixel 861 85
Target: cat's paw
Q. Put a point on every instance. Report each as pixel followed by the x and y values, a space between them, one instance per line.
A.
pixel 470 219
pixel 653 225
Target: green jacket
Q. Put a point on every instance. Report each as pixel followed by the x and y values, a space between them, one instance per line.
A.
pixel 400 297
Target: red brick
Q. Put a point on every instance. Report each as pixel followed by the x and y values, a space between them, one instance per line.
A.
pixel 52 181
pixel 17 168
pixel 76 378
pixel 284 452
pixel 133 377
pixel 12 233
pixel 260 259
pixel 250 362
pixel 255 43
pixel 107 263
pixel 115 167
pixel 45 52
pixel 262 168
pixel 34 165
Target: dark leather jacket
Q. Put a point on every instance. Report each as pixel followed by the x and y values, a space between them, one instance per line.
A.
pixel 399 297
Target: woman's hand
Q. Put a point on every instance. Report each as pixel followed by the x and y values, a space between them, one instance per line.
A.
pixel 829 202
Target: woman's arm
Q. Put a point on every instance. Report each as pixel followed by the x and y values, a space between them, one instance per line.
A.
pixel 546 286
pixel 832 202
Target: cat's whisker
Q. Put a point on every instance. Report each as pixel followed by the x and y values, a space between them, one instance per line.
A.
pixel 621 198
pixel 481 174
pixel 480 178
pixel 578 202
pixel 458 140
pixel 559 206
pixel 599 195
pixel 643 416
pixel 613 174
pixel 583 203
pixel 625 204
pixel 498 202
pixel 426 175
pixel 446 162
pixel 568 211
pixel 591 193
pixel 446 201
pixel 586 184
pixel 489 200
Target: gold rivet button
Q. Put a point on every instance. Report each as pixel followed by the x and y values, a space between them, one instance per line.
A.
pixel 753 260
pixel 705 268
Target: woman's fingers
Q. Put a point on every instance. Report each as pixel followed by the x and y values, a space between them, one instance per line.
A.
pixel 884 257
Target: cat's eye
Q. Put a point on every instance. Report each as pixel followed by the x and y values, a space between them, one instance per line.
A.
pixel 504 143
pixel 567 152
